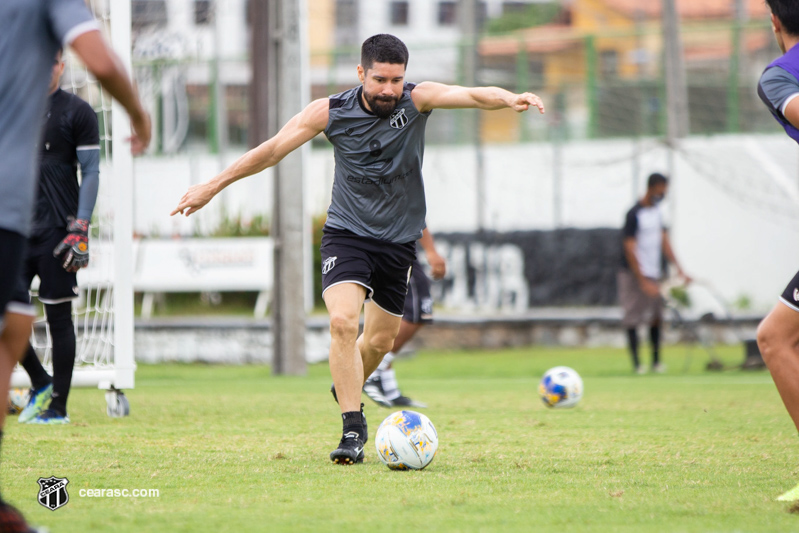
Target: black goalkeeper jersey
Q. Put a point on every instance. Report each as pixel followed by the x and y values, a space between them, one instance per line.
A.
pixel 71 126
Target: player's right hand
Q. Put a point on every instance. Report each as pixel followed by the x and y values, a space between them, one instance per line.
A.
pixel 75 244
pixel 650 288
pixel 194 199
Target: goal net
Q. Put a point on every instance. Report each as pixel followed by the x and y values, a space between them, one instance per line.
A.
pixel 103 312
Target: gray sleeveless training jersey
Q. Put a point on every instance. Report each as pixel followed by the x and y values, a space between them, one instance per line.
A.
pixel 378 189
pixel 30 33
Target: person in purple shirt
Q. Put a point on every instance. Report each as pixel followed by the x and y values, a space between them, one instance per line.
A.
pixel 778 334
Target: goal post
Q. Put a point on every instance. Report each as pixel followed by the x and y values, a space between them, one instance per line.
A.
pixel 122 168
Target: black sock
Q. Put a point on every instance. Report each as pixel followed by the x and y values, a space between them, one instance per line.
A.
pixel 654 338
pixel 353 421
pixel 632 343
pixel 39 376
pixel 62 331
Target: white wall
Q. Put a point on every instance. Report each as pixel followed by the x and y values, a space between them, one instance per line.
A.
pixel 734 200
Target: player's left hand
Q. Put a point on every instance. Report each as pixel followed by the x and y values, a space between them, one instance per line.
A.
pixel 142 133
pixel 75 245
pixel 438 266
pixel 522 102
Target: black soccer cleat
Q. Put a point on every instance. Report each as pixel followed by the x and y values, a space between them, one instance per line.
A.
pixel 374 389
pixel 404 401
pixel 350 450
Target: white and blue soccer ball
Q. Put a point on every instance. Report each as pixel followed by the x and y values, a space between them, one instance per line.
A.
pixel 406 440
pixel 17 400
pixel 561 387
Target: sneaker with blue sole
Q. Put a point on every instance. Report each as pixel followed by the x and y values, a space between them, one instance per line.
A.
pixel 50 417
pixel 39 398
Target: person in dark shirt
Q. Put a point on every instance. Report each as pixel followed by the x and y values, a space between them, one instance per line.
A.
pixel 59 243
pixel 778 333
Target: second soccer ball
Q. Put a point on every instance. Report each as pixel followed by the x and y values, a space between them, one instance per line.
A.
pixel 561 387
pixel 17 400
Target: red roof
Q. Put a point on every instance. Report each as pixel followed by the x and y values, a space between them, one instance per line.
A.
pixel 692 9
pixel 541 39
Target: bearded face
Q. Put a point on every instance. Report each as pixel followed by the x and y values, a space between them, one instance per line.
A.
pixel 382 87
pixel 381 105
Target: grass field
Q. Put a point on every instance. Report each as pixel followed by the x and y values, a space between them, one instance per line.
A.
pixel 233 449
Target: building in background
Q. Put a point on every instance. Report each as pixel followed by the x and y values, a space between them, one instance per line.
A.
pixel 189 53
pixel 600 64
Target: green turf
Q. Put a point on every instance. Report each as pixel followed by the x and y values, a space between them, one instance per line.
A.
pixel 233 449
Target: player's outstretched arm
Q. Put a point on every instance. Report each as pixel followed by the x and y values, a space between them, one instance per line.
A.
pixel 431 95
pixel 303 127
pixel 106 66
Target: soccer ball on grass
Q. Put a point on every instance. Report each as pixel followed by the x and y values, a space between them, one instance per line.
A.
pixel 406 440
pixel 17 400
pixel 561 387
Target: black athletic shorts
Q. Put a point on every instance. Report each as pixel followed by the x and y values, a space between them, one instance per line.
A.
pixel 382 267
pixel 418 302
pixel 790 296
pixel 13 294
pixel 56 285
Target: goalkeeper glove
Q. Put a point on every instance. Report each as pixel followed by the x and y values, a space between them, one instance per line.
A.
pixel 75 244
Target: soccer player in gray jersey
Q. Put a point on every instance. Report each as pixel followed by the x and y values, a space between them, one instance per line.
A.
pixel 377 211
pixel 31 31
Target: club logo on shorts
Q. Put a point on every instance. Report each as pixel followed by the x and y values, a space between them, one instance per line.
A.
pixel 427 306
pixel 328 264
pixel 398 119
pixel 796 295
pixel 53 492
